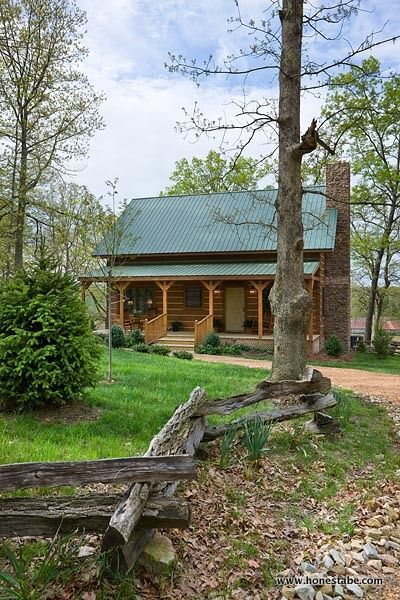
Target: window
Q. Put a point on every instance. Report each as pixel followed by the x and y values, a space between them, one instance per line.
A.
pixel 193 297
pixel 139 300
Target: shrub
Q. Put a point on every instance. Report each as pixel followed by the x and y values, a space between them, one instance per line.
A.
pixel 117 337
pixel 159 349
pixel 333 346
pixel 226 349
pixel 134 337
pixel 381 343
pixel 361 346
pixel 48 353
pixel 231 350
pixel 207 349
pixel 212 339
pixel 246 347
pixel 141 348
pixel 103 337
pixel 183 354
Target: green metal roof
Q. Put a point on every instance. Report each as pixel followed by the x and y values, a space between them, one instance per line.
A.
pixel 209 223
pixel 183 270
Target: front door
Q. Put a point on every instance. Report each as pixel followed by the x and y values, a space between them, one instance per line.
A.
pixel 234 308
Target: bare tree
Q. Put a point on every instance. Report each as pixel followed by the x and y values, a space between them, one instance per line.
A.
pixel 68 215
pixel 48 108
pixel 282 43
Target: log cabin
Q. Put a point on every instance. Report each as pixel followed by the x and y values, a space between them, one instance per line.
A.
pixel 182 266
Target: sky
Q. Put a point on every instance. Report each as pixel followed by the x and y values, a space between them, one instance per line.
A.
pixel 129 41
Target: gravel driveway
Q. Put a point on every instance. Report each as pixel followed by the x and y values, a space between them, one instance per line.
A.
pixel 364 382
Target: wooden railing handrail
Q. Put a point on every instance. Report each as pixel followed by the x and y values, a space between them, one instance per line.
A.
pixel 201 328
pixel 155 328
pixel 155 318
pixel 203 320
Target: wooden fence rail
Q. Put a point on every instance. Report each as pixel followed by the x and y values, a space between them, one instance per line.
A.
pixel 91 514
pixel 110 470
pixel 131 520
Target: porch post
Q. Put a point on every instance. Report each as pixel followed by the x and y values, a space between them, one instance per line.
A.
pixel 164 287
pixel 211 286
pixel 121 286
pixel 85 285
pixel 260 288
pixel 310 289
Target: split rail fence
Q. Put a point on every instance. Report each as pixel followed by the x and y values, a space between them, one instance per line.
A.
pixel 130 520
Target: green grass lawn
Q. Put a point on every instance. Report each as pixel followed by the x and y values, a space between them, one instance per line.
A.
pixel 146 391
pixel 364 361
pixel 302 472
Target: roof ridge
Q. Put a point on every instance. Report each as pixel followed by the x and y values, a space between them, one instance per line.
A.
pixel 252 191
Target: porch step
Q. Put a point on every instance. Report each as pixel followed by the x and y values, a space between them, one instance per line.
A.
pixel 178 342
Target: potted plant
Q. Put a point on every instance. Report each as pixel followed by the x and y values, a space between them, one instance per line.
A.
pixel 218 325
pixel 176 325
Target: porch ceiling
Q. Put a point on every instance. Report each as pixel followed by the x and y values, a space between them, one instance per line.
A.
pixel 196 271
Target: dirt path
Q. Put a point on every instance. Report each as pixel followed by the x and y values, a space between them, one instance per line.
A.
pixel 364 382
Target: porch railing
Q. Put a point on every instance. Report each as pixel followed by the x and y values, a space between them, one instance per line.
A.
pixel 155 329
pixel 201 328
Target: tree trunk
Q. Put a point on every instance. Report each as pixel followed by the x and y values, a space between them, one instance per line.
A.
pixel 109 307
pixel 379 301
pixel 22 193
pixel 372 298
pixel 290 301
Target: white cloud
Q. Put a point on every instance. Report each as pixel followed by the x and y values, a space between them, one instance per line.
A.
pixel 128 42
pixel 140 144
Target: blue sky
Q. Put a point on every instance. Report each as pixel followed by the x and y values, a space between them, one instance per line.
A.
pixel 129 42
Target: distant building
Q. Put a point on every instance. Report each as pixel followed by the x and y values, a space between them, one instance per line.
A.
pixel 357 327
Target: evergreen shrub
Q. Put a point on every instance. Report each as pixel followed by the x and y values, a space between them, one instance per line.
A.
pixel 48 352
pixel 381 343
pixel 117 337
pixel 333 346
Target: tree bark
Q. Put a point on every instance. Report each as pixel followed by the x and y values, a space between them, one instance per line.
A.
pixel 372 298
pixel 22 198
pixel 290 301
pixel 377 271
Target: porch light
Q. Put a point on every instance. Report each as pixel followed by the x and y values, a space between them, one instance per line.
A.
pixel 253 291
pixel 217 291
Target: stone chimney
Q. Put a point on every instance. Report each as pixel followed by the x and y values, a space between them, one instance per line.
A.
pixel 336 285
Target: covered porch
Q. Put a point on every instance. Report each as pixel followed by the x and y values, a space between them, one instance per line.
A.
pixel 229 298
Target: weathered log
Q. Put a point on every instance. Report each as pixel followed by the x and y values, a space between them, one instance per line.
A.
pixel 47 516
pixel 111 470
pixel 322 423
pixel 180 435
pixel 313 383
pixel 125 557
pixel 287 413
